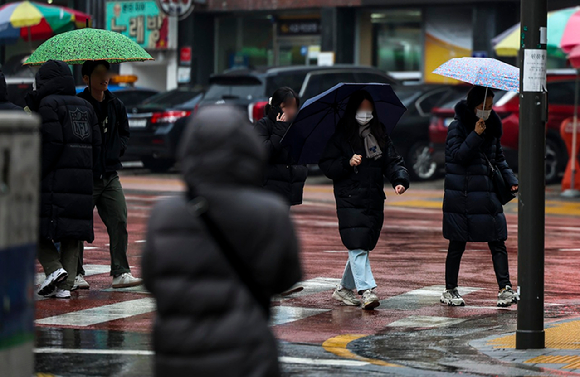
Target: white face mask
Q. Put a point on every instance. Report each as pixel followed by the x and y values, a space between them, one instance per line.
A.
pixel 364 117
pixel 483 114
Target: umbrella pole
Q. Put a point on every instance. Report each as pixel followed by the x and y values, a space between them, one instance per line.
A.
pixel 573 191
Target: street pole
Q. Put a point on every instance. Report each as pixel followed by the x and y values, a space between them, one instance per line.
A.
pixel 532 146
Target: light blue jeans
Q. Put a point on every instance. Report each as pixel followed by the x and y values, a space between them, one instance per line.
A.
pixel 357 273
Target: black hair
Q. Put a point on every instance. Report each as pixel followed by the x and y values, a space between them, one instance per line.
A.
pixel 476 94
pixel 349 127
pixel 90 65
pixel 280 96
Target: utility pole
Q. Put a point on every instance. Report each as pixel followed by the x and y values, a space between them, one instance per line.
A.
pixel 532 147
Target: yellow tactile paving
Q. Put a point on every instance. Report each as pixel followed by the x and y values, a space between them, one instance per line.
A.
pixel 571 361
pixel 561 336
pixel 338 346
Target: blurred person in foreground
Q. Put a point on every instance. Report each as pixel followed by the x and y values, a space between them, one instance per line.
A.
pixel 108 194
pixel 216 255
pixel 70 144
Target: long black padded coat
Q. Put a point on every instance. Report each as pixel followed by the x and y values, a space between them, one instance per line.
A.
pixel 359 193
pixel 281 176
pixel 71 142
pixel 208 323
pixel 472 211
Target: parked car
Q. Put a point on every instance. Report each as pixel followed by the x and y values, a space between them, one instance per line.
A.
pixel 155 132
pixel 411 136
pixel 560 85
pixel 250 90
pixel 130 96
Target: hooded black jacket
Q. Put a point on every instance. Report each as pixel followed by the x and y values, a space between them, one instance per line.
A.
pixel 4 103
pixel 472 211
pixel 208 323
pixel 359 193
pixel 70 143
pixel 281 176
pixel 115 139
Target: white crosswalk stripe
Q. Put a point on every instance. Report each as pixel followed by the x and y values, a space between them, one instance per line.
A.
pixel 100 314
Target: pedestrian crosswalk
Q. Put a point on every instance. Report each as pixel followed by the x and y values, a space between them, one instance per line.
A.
pixel 283 312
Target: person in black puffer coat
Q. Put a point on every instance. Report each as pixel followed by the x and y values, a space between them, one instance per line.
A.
pixel 4 103
pixel 472 211
pixel 70 145
pixel 357 158
pixel 209 322
pixel 281 177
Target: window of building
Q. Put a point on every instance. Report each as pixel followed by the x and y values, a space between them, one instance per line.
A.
pixel 397 36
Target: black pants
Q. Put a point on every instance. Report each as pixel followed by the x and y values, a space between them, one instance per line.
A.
pixel 498 255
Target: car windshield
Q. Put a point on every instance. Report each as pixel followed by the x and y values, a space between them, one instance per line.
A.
pixel 171 98
pixel 218 92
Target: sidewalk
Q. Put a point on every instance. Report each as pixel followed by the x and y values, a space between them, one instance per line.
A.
pixel 562 350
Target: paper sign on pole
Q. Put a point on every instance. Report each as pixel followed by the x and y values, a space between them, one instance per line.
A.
pixel 534 79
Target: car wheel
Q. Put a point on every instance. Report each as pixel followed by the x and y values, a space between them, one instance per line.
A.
pixel 420 163
pixel 552 161
pixel 158 165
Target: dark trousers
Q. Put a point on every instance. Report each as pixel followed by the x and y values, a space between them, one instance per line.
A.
pixel 52 258
pixel 109 199
pixel 499 257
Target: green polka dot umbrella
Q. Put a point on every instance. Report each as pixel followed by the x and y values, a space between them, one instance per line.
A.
pixel 78 46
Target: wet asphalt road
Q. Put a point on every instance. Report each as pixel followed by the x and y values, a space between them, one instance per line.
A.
pixel 410 334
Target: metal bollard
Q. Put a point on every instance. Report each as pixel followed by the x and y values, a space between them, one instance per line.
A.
pixel 19 218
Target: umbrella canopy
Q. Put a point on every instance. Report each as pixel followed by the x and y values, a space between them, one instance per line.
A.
pixel 78 46
pixel 317 119
pixel 486 72
pixel 571 36
pixel 508 43
pixel 575 57
pixel 33 21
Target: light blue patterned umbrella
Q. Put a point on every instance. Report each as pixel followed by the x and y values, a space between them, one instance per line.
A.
pixel 487 72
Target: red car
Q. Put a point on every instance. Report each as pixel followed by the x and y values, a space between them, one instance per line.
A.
pixel 561 87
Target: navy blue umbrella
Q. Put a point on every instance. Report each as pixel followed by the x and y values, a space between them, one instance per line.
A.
pixel 317 119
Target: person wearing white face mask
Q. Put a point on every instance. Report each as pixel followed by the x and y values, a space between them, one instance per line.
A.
pixel 472 210
pixel 357 158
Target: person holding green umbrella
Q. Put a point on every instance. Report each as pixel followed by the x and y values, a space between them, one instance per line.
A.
pixel 95 49
pixel 108 194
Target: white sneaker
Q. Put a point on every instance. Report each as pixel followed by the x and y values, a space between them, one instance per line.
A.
pixel 126 280
pixel 506 297
pixel 60 293
pixel 48 286
pixel 370 299
pixel 80 283
pixel 451 297
pixel 346 296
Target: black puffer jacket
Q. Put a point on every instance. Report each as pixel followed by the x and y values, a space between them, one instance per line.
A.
pixel 4 103
pixel 208 323
pixel 70 143
pixel 281 176
pixel 359 193
pixel 471 209
pixel 115 139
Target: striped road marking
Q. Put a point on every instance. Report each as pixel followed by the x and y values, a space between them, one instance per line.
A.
pixel 286 314
pixel 425 321
pixel 100 314
pixel 283 359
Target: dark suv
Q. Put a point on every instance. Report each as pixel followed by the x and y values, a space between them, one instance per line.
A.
pixel 250 90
